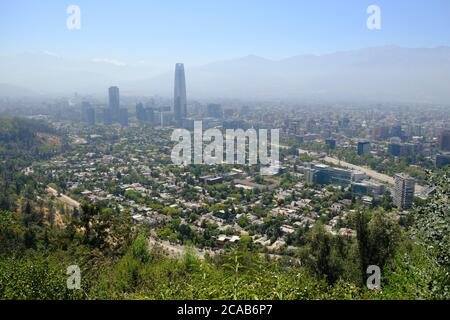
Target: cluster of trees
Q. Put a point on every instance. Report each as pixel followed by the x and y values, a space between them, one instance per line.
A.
pixel 35 254
pixel 327 267
pixel 21 143
pixel 118 264
pixel 23 140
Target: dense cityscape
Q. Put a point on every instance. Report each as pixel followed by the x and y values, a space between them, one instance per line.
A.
pixel 352 203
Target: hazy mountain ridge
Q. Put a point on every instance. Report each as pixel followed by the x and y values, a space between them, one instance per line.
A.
pixel 8 90
pixel 388 73
pixel 385 73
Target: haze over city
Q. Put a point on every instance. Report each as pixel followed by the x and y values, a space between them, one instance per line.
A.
pixel 291 50
pixel 225 155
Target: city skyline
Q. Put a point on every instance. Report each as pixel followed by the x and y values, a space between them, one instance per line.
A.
pixel 378 74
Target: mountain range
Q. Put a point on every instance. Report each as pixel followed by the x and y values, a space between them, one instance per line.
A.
pixel 388 73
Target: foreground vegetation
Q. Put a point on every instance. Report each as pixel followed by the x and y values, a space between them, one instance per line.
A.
pixel 118 264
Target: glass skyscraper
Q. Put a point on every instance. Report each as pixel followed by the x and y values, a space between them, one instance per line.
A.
pixel 179 98
pixel 114 102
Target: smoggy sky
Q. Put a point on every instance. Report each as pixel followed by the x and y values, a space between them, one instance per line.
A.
pixel 161 32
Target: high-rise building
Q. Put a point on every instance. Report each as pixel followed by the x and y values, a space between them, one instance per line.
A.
pixel 403 191
pixel 179 97
pixel 395 149
pixel 363 147
pixel 444 140
pixel 114 102
pixel 310 175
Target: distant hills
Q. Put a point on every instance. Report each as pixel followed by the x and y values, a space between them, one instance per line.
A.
pixel 383 73
pixel 387 73
pixel 8 90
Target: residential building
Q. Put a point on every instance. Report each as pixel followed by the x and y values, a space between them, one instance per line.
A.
pixel 403 191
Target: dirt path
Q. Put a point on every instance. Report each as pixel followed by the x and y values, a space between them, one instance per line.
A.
pixel 64 199
pixel 371 173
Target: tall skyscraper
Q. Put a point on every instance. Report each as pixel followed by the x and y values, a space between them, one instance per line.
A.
pixel 114 102
pixel 403 191
pixel 179 98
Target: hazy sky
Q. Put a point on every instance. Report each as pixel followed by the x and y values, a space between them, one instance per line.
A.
pixel 200 31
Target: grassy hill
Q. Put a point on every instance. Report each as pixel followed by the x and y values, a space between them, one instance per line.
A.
pixel 23 139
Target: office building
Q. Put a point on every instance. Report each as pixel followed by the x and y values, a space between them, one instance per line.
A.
pixel 394 149
pixel 363 148
pixel 402 149
pixel 324 174
pixel 114 102
pixel 179 98
pixel 368 188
